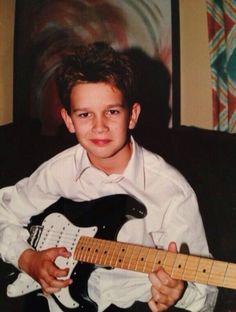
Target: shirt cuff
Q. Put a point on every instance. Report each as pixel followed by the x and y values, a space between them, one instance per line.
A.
pixel 17 245
pixel 198 297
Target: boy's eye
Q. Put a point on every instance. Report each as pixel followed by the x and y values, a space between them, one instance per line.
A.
pixel 113 112
pixel 83 115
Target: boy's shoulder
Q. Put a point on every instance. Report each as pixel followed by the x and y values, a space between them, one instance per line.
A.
pixel 67 155
pixel 158 167
pixel 70 151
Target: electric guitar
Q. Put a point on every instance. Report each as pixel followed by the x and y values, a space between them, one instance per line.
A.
pixel 88 230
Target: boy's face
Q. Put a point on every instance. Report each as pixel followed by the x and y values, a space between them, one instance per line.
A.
pixel 101 122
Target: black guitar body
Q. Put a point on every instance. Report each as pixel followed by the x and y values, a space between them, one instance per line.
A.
pixel 108 214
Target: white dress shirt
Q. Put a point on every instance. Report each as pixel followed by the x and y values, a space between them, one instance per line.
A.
pixel 172 215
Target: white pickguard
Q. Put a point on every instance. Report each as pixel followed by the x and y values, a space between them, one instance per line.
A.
pixel 58 231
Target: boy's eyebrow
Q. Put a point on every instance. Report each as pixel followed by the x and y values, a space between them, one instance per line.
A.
pixel 76 109
pixel 116 105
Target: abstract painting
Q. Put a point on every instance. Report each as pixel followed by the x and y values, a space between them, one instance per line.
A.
pixel 45 30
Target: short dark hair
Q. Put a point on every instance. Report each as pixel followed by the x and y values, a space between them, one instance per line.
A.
pixel 96 62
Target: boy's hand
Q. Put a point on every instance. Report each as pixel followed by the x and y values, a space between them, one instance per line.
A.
pixel 165 290
pixel 40 265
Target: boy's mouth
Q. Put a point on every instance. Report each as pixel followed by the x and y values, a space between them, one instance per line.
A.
pixel 100 142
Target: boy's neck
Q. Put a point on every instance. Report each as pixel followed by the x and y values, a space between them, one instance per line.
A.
pixel 115 164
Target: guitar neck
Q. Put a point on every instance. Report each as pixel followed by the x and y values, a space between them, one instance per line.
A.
pixel 145 259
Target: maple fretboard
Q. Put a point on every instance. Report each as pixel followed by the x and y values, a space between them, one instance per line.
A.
pixel 145 259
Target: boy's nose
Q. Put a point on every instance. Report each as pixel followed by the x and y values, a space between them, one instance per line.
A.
pixel 100 125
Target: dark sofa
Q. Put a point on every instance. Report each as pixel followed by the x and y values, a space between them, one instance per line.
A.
pixel 206 158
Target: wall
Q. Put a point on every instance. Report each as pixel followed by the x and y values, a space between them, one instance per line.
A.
pixel 196 101
pixel 7 9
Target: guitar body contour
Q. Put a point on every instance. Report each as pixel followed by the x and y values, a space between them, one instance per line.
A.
pixel 100 218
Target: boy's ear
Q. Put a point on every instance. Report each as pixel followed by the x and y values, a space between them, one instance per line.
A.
pixel 134 115
pixel 67 120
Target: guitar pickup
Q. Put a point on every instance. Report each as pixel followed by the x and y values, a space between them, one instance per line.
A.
pixel 35 233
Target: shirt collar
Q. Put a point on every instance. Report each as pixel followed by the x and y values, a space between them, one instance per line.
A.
pixel 135 168
pixel 82 161
pixel 133 172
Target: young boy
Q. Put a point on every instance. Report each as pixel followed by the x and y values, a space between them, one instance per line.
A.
pixel 96 87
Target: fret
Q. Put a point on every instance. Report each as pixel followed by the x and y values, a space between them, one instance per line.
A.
pixel 130 253
pixel 141 261
pixel 103 252
pixel 217 273
pixel 159 260
pixel 121 258
pixel 150 260
pixel 169 262
pixel 230 276
pixel 190 269
pixel 108 250
pixel 134 258
pixel 204 270
pixel 95 246
pixel 86 248
pixel 138 251
pixel 179 266
pixel 114 255
pixel 91 251
pixel 98 244
pixel 78 251
pixel 148 250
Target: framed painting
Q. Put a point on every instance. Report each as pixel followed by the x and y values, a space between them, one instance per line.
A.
pixel 146 29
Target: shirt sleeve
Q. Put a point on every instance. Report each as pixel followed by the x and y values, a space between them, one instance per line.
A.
pixel 18 204
pixel 183 224
pixel 13 237
pixel 198 298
